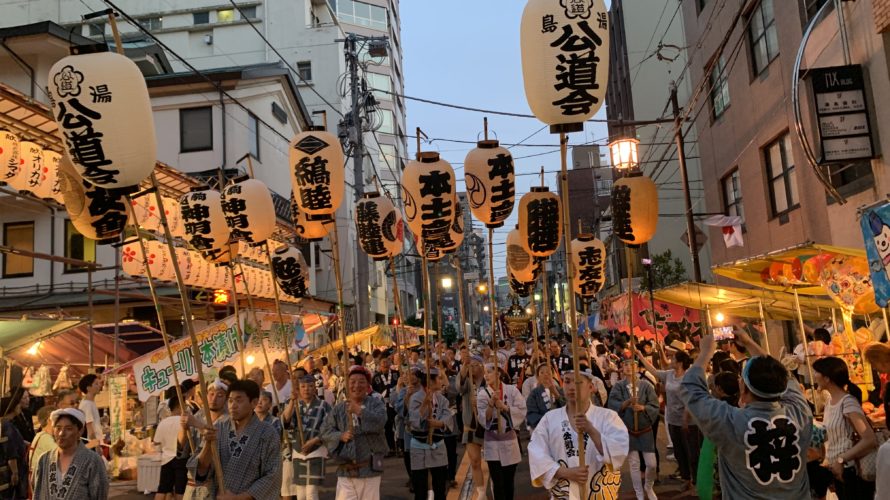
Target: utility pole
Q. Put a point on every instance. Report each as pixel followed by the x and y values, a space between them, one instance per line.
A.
pixel 687 199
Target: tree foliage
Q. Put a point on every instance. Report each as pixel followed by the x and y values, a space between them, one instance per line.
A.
pixel 667 270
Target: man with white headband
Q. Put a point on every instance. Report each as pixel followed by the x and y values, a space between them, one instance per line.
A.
pixel 553 450
pixel 762 445
pixel 70 471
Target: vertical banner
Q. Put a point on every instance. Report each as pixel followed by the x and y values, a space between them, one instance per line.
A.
pixel 116 385
pixel 875 225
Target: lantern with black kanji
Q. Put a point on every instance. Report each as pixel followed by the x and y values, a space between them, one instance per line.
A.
pixel 98 214
pixel 309 227
pixel 291 271
pixel 491 183
pixel 429 196
pixel 565 59
pixel 37 180
pixel 588 264
pixel 455 232
pixel 249 210
pixel 27 177
pixel 379 226
pixel 519 287
pixel 203 220
pixel 10 159
pixel 540 222
pixel 519 262
pixel 101 104
pixel 317 171
pixel 634 209
pixel 49 181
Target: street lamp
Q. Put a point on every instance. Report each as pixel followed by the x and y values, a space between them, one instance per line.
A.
pixel 719 317
pixel 446 283
pixel 482 288
pixel 485 308
pixel 624 154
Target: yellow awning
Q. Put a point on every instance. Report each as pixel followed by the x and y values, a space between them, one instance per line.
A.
pixel 751 270
pixel 745 302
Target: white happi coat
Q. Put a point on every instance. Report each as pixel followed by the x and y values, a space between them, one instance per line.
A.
pixel 554 443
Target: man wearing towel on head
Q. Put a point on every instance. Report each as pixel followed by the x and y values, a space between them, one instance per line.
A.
pixel 70 471
pixel 553 450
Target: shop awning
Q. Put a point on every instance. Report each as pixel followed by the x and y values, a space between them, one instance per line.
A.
pixel 18 333
pixel 761 271
pixel 745 302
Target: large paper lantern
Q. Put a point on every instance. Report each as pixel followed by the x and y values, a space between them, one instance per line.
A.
pixel 317 171
pixel 98 214
pixel 379 226
pixel 160 261
pixel 634 209
pixel 520 288
pixel 519 262
pixel 37 178
pixel 429 196
pixel 491 183
pixel 132 262
pixel 49 184
pixel 291 271
pixel 199 269
pixel 10 158
pixel 27 177
pixel 565 59
pixel 249 210
pixel 540 222
pixel 309 227
pixel 455 232
pixel 588 265
pixel 203 220
pixel 184 259
pixel 101 104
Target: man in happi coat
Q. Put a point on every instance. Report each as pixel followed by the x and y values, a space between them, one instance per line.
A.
pixel 553 451
pixel 429 419
pixel 353 434
pixel 249 450
pixel 70 472
pixel 303 466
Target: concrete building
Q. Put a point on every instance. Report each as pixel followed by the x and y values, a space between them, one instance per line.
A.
pixel 753 162
pixel 646 55
pixel 307 34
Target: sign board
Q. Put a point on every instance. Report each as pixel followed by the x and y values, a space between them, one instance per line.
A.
pixel 700 238
pixel 117 405
pixel 842 114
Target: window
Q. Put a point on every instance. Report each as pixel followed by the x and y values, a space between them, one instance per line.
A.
pixel 851 178
pixel 762 33
pixel 304 70
pixel 97 29
pixel 248 12
pixel 812 7
pixel 386 125
pixel 781 176
pixel 378 82
pixel 253 135
pixel 201 17
pixel 195 129
pixel 225 15
pixel 719 88
pixel 363 14
pixel 78 247
pixel 19 235
pixel 386 154
pixel 152 23
pixel 732 195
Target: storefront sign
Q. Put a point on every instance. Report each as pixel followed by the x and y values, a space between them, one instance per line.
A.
pixel 117 405
pixel 842 113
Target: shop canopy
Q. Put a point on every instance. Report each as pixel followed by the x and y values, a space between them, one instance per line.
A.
pixel 18 333
pixel 745 302
pixel 783 270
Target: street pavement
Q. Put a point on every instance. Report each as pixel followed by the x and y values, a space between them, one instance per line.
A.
pixel 393 486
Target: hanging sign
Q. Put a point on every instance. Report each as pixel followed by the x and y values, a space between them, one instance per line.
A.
pixel 843 114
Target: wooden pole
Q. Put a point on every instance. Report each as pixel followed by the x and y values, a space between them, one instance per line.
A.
pixel 335 255
pixel 763 322
pixel 425 276
pixel 397 304
pixel 460 299
pixel 628 253
pixel 237 307
pixel 806 351
pixel 438 287
pixel 567 244
pixel 546 320
pixel 493 310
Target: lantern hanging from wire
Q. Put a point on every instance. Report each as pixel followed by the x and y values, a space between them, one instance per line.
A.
pixel 31 164
pixel 565 60
pixel 249 210
pixel 10 156
pixel 491 183
pixel 98 214
pixel 291 271
pixel 588 265
pixel 379 226
pixel 634 209
pixel 317 171
pixel 103 110
pixel 49 183
pixel 429 195
pixel 309 227
pixel 540 222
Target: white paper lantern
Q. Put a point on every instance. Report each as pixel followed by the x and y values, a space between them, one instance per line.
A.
pixel 317 171
pixel 540 222
pixel 50 186
pixel 491 183
pixel 565 60
pixel 37 170
pixel 455 232
pixel 31 162
pixel 519 262
pixel 519 287
pixel 634 209
pixel 203 220
pixel 10 157
pixel 379 226
pixel 102 106
pixel 199 269
pixel 96 213
pixel 249 210
pixel 429 196
pixel 291 271
pixel 310 227
pixel 159 261
pixel 588 264
pixel 132 262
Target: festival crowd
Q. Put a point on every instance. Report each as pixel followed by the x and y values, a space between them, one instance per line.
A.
pixel 738 422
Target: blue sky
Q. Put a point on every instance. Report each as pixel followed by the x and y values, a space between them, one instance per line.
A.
pixel 467 53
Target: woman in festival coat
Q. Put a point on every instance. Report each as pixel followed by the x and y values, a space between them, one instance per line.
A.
pixel 500 407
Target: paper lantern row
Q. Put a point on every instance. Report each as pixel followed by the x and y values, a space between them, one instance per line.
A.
pixel 148 216
pixel 29 168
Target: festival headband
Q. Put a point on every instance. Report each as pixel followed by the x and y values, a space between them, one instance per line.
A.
pixel 72 412
pixel 757 392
